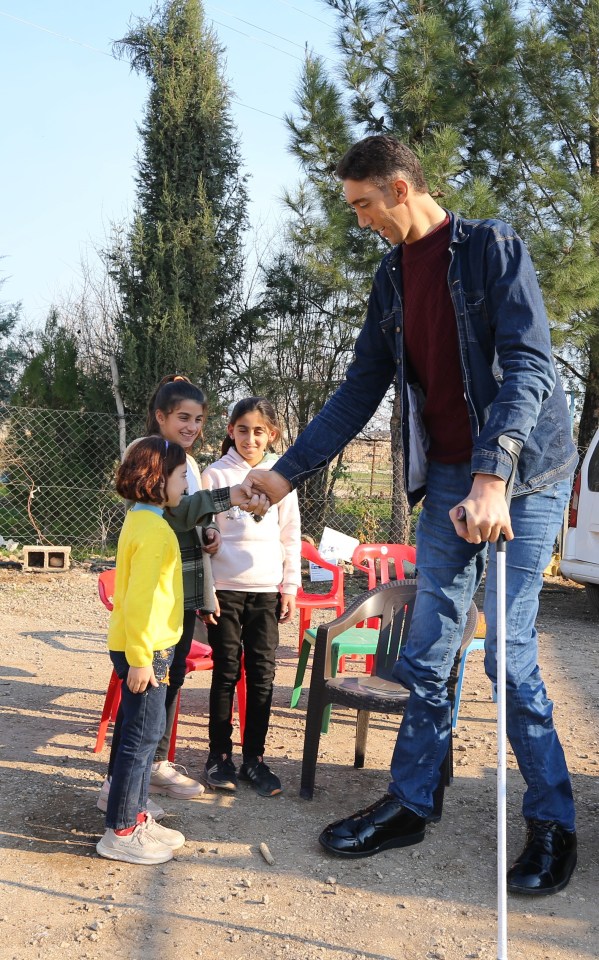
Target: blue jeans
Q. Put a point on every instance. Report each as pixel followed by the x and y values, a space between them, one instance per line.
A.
pixel 449 571
pixel 143 723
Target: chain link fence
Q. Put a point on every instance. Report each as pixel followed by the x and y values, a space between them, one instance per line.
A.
pixel 57 482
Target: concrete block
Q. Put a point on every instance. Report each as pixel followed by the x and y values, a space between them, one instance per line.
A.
pixel 48 559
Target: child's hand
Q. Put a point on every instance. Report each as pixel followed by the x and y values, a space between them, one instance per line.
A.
pixel 139 678
pixel 212 617
pixel 212 541
pixel 252 501
pixel 287 607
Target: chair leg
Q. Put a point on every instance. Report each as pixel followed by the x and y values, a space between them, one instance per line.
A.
pixel 362 721
pixel 109 710
pixel 314 717
pixel 173 741
pixel 241 693
pixel 301 669
pixel 305 619
pixel 458 690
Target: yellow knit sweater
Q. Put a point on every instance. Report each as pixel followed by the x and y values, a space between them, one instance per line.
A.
pixel 148 593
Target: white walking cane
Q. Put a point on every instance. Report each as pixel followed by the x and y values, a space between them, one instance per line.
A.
pixel 513 448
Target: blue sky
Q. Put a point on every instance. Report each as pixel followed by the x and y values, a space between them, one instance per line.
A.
pixel 69 112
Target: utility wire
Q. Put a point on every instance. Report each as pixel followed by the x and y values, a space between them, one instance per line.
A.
pixel 112 56
pixel 53 33
pixel 248 23
pixel 258 40
pixel 285 3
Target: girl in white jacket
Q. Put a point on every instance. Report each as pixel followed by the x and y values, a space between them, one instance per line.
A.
pixel 256 575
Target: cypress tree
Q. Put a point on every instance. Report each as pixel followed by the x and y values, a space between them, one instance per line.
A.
pixel 179 266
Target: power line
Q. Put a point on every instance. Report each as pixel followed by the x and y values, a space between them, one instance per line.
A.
pixel 250 24
pixel 112 56
pixel 258 40
pixel 304 12
pixel 53 33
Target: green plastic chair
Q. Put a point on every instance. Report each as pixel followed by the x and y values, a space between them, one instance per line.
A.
pixel 352 641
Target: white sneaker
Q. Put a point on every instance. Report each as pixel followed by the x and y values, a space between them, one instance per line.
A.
pixel 137 847
pixel 153 809
pixel 170 838
pixel 166 779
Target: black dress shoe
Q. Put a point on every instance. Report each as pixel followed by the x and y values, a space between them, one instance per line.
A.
pixel 547 861
pixel 385 824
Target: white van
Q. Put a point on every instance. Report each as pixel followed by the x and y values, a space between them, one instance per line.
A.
pixel 580 555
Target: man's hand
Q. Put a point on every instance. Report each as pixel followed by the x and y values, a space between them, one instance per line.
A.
pixel 484 513
pixel 269 482
pixel 287 607
pixel 139 678
pixel 244 496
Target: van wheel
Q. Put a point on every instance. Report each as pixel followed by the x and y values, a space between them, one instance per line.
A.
pixel 592 590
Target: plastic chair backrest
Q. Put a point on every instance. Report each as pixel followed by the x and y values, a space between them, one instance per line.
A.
pixel 311 553
pixel 366 555
pixel 106 587
pixel 336 592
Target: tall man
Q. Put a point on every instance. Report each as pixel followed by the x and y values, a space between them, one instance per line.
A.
pixel 456 314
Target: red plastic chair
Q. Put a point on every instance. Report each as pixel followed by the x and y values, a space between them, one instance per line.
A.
pixel 366 555
pixel 365 558
pixel 199 658
pixel 307 602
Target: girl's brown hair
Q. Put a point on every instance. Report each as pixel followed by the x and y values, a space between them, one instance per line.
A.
pixel 170 394
pixel 250 405
pixel 143 474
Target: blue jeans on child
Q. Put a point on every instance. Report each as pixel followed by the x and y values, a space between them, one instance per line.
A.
pixel 143 723
pixel 449 572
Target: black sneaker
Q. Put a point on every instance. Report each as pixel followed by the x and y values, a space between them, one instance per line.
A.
pixel 261 777
pixel 220 771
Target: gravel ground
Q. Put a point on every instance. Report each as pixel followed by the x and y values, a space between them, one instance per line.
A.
pixel 219 898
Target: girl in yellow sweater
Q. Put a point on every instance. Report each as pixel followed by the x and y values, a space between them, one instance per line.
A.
pixel 145 626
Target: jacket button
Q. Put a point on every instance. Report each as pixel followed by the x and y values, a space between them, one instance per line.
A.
pixel 397 329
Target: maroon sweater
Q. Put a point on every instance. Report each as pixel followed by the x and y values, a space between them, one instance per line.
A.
pixel 431 344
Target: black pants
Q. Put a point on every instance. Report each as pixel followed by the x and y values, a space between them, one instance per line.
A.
pixel 248 622
pixel 176 676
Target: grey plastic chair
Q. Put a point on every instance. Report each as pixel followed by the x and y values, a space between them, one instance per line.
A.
pixel 393 604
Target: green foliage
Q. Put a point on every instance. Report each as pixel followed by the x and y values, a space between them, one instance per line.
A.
pixel 179 266
pixel 500 103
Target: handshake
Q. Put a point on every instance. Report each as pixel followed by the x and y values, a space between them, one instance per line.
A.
pixel 259 490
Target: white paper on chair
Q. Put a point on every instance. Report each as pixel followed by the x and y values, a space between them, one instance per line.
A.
pixel 333 546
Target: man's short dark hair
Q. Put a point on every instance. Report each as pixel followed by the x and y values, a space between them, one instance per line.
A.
pixel 380 159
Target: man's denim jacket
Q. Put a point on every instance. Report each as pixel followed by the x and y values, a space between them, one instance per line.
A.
pixel 510 382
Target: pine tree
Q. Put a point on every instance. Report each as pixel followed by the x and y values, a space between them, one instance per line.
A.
pixel 440 76
pixel 559 195
pixel 179 265
pixel 501 104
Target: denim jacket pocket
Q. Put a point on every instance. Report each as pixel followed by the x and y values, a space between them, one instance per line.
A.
pixel 476 319
pixel 387 326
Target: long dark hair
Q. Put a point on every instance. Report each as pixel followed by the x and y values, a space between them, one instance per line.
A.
pixel 251 404
pixel 143 474
pixel 170 394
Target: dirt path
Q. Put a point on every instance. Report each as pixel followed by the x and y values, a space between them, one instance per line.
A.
pixel 219 898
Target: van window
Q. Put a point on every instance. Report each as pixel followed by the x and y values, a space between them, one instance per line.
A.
pixel 594 471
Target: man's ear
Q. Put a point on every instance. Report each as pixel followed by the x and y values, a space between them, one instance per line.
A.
pixel 400 190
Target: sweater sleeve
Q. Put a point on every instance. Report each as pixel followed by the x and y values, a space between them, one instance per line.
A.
pixel 198 509
pixel 290 527
pixel 144 599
